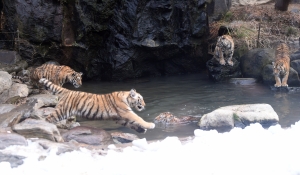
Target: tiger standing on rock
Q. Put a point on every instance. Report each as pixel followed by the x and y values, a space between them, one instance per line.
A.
pixel 281 66
pixel 224 50
pixel 58 74
pixel 116 106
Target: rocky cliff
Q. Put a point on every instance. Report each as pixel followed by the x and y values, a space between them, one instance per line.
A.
pixel 110 39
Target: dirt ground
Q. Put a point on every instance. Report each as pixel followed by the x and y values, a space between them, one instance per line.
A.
pixel 259 26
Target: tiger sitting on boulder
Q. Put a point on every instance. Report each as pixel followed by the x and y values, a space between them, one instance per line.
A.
pixel 224 50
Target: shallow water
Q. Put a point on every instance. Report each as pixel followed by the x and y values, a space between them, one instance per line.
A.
pixel 193 95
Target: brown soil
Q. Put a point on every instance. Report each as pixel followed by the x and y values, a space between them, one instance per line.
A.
pixel 259 26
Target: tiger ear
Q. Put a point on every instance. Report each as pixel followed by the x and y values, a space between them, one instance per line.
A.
pixel 132 93
pixel 80 73
pixel 273 63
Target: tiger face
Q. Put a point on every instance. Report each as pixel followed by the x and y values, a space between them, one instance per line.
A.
pixel 136 100
pixel 75 79
pixel 278 68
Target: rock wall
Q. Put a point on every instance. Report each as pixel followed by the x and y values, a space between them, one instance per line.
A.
pixel 112 39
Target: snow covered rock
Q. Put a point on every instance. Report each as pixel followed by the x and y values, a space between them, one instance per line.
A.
pixel 225 118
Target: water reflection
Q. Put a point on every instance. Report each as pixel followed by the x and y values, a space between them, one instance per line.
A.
pixel 192 95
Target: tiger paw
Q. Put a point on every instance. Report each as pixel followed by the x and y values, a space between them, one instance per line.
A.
pixel 230 63
pixel 284 85
pixel 222 62
pixel 152 126
pixel 277 85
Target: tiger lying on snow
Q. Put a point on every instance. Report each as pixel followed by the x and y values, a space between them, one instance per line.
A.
pixel 116 106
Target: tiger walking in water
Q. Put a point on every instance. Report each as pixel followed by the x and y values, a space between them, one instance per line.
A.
pixel 224 50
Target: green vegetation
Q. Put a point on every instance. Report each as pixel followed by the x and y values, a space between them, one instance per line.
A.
pixel 291 31
pixel 236 117
pixel 228 16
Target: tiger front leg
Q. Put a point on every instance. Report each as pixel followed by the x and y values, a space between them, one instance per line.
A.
pixel 278 81
pixel 221 59
pixel 229 61
pixel 285 79
pixel 133 117
pixel 131 125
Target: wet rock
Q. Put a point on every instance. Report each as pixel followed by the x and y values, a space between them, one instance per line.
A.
pixel 8 139
pixel 243 81
pixel 4 108
pixel 225 118
pixel 119 137
pixel 44 100
pixel 5 81
pixel 88 135
pixel 254 61
pixel 42 113
pixel 218 72
pixel 17 114
pixel 15 95
pixel 249 2
pixel 31 128
pixel 61 147
pixel 14 160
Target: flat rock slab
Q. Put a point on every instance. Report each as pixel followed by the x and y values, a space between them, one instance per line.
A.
pixel 243 81
pixel 8 139
pixel 88 135
pixel 285 89
pixel 31 128
pixel 225 118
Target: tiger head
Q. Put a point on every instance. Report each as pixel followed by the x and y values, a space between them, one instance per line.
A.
pixel 278 68
pixel 75 79
pixel 223 42
pixel 136 100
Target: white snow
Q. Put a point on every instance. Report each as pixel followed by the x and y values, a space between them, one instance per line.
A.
pixel 252 150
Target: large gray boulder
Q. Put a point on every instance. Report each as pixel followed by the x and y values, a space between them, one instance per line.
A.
pixel 88 135
pixel 5 81
pixel 17 114
pixel 8 139
pixel 31 128
pixel 4 108
pixel 44 100
pixel 249 2
pixel 225 118
pixel 253 62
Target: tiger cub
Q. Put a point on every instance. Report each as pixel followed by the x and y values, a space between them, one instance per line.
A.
pixel 58 74
pixel 281 66
pixel 224 50
pixel 116 106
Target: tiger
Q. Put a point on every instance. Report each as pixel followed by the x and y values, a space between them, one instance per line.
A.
pixel 58 74
pixel 224 48
pixel 116 106
pixel 168 118
pixel 281 66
